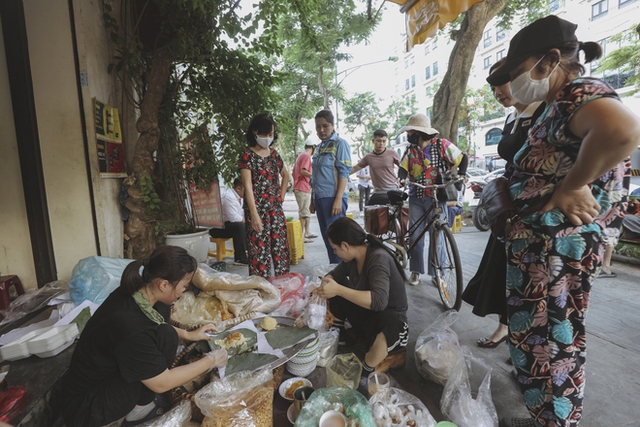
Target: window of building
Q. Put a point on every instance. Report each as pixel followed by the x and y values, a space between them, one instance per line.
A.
pixel 499 55
pixel 426 49
pixel 413 60
pixel 555 5
pixel 500 34
pixel 599 9
pixel 413 81
pixel 486 63
pixel 406 64
pixel 430 113
pixel 487 38
pixel 427 73
pixel 435 68
pixel 434 45
pixel 493 137
pixel 406 84
pixel 622 3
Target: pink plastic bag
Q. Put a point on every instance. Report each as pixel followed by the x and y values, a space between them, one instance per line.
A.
pixel 291 288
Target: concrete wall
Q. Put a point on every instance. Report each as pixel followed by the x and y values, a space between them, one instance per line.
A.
pixel 15 243
pixel 69 182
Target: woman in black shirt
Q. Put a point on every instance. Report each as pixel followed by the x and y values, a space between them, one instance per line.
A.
pixel 123 356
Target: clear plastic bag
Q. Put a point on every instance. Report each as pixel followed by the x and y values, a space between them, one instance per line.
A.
pixel 344 370
pixel 31 301
pixel 437 349
pixel 350 402
pixel 175 417
pixel 466 398
pixel 294 293
pixel 396 407
pixel 328 346
pixel 316 313
pixel 95 277
pixel 243 399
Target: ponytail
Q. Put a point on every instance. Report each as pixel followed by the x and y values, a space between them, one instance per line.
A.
pixel 592 51
pixel 170 263
pixel 570 58
pixel 375 242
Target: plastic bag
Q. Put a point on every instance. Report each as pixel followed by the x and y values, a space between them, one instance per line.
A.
pixel 240 294
pixel 437 349
pixel 32 301
pixel 293 294
pixel 176 416
pixel 95 277
pixel 242 399
pixel 328 346
pixel 316 313
pixel 470 377
pixel 396 407
pixel 350 402
pixel 344 370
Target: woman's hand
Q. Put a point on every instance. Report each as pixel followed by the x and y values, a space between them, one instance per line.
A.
pixel 200 333
pixel 256 222
pixel 579 206
pixel 336 209
pixel 329 288
pixel 217 357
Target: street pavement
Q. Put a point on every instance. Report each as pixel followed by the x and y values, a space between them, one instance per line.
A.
pixel 613 336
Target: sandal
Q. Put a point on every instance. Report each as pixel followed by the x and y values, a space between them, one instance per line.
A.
pixel 605 274
pixel 308 241
pixel 487 343
pixel 311 236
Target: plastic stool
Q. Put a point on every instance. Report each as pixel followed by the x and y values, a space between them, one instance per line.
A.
pixel 457 224
pixel 6 282
pixel 222 250
pixel 350 215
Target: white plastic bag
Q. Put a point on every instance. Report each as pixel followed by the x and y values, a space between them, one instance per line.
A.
pixel 177 416
pixel 466 398
pixel 437 349
pixel 396 407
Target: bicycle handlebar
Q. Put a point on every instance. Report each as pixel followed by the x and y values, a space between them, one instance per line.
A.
pixel 453 181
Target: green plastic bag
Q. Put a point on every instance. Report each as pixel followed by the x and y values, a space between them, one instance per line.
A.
pixel 344 370
pixel 354 405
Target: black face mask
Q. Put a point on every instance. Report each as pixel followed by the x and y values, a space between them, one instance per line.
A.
pixel 414 139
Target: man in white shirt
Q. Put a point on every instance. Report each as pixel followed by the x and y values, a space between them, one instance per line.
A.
pixel 234 225
pixel 364 185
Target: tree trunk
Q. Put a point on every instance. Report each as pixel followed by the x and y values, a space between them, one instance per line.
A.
pixel 139 228
pixel 447 100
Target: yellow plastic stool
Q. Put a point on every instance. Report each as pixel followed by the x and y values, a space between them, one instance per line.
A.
pixel 457 224
pixel 222 250
pixel 350 215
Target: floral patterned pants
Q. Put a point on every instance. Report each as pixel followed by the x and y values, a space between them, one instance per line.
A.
pixel 270 245
pixel 548 287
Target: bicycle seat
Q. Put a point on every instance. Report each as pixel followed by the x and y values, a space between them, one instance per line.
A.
pixel 396 197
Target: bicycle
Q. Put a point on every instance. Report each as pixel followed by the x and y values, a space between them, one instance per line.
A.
pixel 443 249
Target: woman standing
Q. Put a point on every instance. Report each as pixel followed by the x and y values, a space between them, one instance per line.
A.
pixel 572 164
pixel 331 167
pixel 367 288
pixel 426 160
pixel 486 291
pixel 124 353
pixel 260 168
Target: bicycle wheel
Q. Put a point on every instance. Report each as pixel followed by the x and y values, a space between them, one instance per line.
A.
pixel 447 265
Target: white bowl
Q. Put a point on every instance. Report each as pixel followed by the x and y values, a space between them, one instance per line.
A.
pixel 287 383
pixel 301 370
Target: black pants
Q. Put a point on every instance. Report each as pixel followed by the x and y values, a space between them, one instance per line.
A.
pixel 237 231
pixel 364 196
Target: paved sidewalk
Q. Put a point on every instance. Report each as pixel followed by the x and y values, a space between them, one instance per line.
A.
pixel 613 334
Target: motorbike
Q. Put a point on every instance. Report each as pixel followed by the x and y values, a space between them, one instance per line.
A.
pixel 479 216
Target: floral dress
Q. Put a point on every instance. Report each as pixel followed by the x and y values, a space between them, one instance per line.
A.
pixel 551 263
pixel 271 245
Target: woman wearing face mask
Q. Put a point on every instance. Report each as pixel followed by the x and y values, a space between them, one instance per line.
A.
pixel 331 166
pixel 427 158
pixel 572 166
pixel 260 169
pixel 486 290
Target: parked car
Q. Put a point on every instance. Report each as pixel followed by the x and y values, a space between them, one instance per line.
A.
pixel 474 173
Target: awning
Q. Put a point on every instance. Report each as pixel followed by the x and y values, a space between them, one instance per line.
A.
pixel 424 17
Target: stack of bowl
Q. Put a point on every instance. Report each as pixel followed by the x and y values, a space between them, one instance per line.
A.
pixel 303 363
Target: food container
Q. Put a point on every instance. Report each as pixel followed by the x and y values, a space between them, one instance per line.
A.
pixel 45 342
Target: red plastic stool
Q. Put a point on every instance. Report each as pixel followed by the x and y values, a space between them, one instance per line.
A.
pixel 6 282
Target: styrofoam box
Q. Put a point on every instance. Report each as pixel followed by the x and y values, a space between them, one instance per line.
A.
pixel 43 342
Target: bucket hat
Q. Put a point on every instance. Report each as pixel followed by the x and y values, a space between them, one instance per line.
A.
pixel 537 37
pixel 309 143
pixel 419 122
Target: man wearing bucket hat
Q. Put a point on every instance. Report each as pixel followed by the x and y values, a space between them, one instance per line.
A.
pixel 427 158
pixel 302 187
pixel 573 167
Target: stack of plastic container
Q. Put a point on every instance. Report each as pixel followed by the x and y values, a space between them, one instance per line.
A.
pixel 45 342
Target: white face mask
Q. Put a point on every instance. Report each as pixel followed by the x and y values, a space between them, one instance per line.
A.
pixel 526 90
pixel 264 142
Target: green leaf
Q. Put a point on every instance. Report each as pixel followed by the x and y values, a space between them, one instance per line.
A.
pixel 534 398
pixel 521 322
pixel 563 332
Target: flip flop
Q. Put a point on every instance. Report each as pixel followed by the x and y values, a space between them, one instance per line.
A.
pixel 605 274
pixel 487 343
pixel 308 240
pixel 311 236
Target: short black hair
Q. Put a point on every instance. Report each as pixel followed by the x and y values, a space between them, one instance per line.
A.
pixel 238 183
pixel 262 125
pixel 380 132
pixel 325 114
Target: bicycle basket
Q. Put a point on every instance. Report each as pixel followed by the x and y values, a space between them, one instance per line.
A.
pixel 376 219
